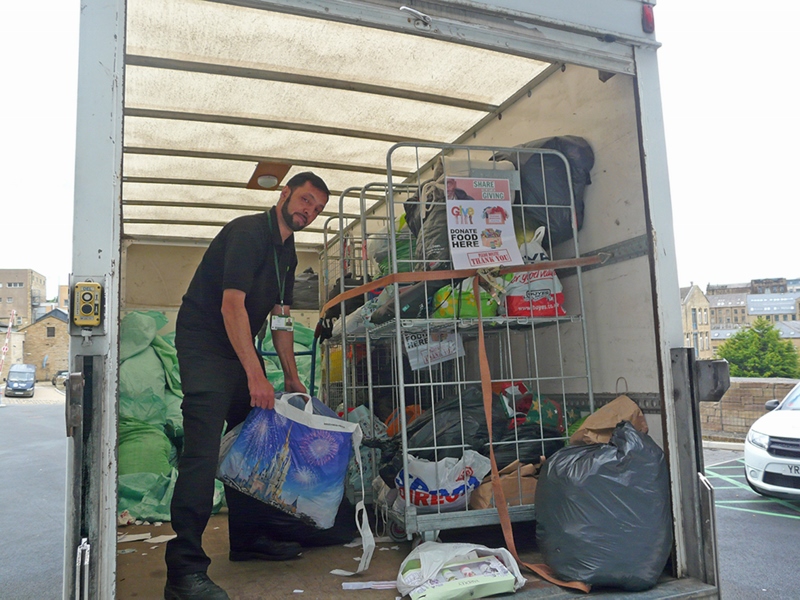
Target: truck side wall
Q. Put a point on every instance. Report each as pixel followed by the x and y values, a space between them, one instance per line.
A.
pixel 618 297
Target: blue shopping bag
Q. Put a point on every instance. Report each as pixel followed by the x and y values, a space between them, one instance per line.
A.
pixel 292 459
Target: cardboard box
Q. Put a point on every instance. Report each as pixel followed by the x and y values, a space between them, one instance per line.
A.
pixel 518 483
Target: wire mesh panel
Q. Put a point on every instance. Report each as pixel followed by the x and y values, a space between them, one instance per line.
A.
pixel 419 340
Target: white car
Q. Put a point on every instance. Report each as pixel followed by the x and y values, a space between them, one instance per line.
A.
pixel 772 449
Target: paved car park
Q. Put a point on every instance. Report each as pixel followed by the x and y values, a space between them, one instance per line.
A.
pixel 33 451
pixel 757 535
pixel 44 393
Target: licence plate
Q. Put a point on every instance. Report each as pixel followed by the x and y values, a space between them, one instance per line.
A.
pixel 793 470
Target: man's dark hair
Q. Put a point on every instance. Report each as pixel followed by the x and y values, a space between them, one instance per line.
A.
pixel 307 176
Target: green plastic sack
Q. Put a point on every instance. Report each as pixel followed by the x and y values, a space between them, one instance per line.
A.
pixel 137 330
pixel 168 356
pixel 303 341
pixel 142 448
pixel 460 303
pixel 173 425
pixel 147 496
pixel 142 384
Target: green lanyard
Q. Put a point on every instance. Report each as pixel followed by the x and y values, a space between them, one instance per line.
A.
pixel 281 281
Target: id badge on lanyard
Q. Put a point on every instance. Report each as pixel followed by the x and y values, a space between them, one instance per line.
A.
pixel 282 322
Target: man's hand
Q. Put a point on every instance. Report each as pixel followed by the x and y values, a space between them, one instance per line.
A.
pixel 294 385
pixel 262 394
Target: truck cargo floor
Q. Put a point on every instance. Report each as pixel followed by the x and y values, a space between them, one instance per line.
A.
pixel 142 572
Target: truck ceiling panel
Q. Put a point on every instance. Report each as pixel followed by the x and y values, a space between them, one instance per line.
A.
pixel 223 171
pixel 219 197
pixel 179 233
pixel 294 147
pixel 242 37
pixel 296 104
pixel 211 89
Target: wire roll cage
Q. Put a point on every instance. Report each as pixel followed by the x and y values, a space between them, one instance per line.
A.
pixel 547 354
pixel 506 364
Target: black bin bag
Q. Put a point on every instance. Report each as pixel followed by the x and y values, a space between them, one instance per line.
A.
pixel 545 194
pixel 603 513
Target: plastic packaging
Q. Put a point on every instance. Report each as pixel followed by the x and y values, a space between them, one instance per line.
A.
pixel 459 302
pixel 427 560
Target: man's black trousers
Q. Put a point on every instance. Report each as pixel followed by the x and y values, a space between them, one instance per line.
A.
pixel 215 391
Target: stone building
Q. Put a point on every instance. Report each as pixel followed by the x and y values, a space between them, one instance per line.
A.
pixel 774 307
pixel 63 298
pixel 789 331
pixel 735 306
pixel 15 354
pixel 46 344
pixel 695 319
pixel 725 289
pixel 22 290
pixel 768 286
pixel 728 311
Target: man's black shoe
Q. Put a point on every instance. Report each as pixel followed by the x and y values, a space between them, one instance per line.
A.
pixel 195 586
pixel 266 549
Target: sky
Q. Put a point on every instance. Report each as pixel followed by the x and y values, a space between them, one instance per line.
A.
pixel 731 121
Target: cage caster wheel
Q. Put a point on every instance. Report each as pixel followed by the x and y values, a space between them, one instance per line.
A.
pixel 397 532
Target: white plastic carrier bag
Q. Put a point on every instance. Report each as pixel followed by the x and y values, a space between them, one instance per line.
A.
pixel 443 485
pixel 435 571
pixel 534 293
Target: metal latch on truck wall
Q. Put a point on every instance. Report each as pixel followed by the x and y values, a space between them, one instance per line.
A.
pixel 74 403
pixel 712 379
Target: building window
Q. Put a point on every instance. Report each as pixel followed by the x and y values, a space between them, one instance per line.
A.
pixel 51 332
pixel 694 318
pixel 15 284
pixel 9 299
pixel 705 316
pixel 735 319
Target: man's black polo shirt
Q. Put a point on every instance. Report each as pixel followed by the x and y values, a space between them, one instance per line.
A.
pixel 241 257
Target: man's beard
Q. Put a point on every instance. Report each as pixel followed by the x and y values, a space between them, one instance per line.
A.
pixel 288 218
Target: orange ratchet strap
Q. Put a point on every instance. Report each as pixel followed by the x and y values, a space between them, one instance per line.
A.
pixel 540 569
pixel 417 276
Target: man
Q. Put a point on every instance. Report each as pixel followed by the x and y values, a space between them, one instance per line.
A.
pixel 246 275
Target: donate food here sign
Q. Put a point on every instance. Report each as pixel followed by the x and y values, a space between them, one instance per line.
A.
pixel 479 222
